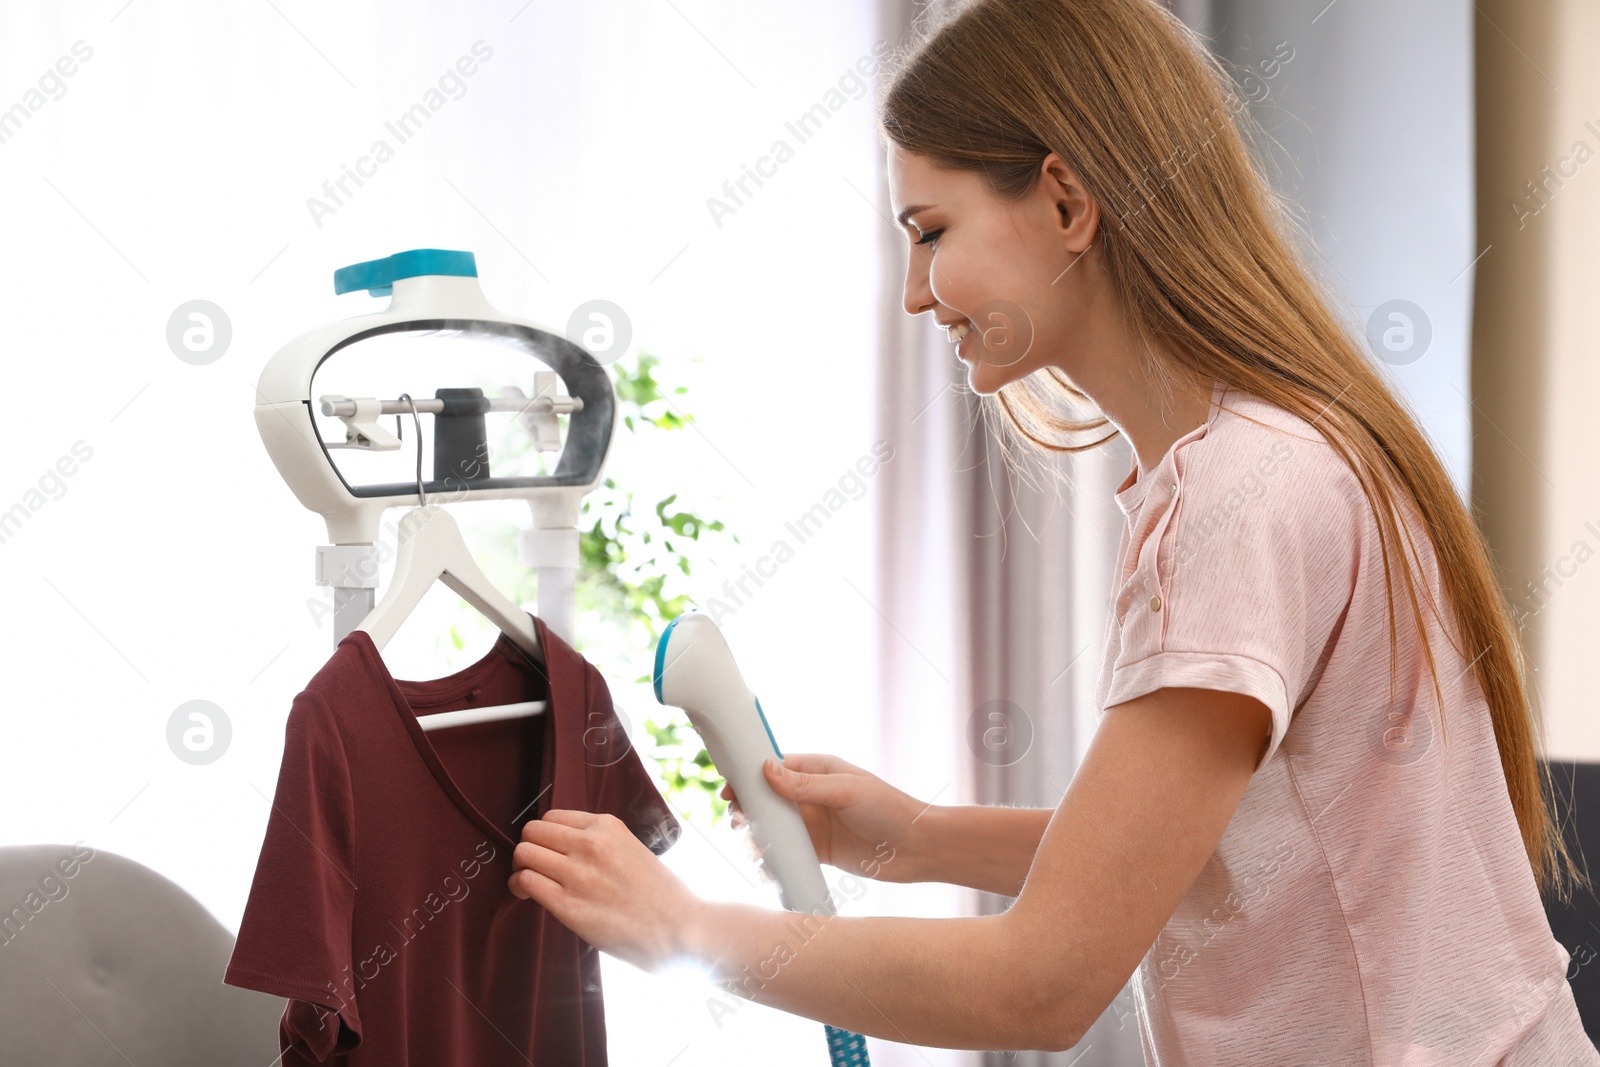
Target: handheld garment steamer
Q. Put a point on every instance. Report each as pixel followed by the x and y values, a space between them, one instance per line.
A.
pixel 695 671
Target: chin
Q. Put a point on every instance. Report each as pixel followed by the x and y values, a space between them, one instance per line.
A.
pixel 986 379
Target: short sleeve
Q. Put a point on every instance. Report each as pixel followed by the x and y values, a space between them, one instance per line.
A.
pixel 618 782
pixel 294 938
pixel 1249 578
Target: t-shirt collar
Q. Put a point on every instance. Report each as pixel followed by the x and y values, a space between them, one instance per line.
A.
pixel 1131 493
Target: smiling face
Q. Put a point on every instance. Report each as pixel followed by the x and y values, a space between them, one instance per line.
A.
pixel 1014 275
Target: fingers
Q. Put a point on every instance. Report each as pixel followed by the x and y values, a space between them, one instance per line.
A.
pixel 814 776
pixel 547 842
pixel 570 817
pixel 557 833
pixel 803 762
pixel 819 777
pixel 534 867
pixel 550 843
pixel 818 763
pixel 831 789
pixel 529 884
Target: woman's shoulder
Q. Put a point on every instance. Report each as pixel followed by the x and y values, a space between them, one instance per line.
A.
pixel 1268 514
pixel 1264 461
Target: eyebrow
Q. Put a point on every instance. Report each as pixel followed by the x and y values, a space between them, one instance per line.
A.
pixel 904 215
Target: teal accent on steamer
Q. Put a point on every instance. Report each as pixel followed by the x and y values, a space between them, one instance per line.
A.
pixel 846 1049
pixel 377 276
pixel 661 661
pixel 768 727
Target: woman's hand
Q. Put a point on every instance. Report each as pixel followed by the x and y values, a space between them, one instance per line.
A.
pixel 857 821
pixel 602 883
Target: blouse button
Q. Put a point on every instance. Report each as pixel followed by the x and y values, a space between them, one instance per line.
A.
pixel 1155 603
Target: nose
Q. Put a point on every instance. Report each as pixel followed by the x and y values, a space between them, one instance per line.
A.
pixel 918 296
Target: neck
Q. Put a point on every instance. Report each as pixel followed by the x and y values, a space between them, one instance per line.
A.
pixel 1150 413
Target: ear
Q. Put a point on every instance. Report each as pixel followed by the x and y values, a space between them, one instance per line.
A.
pixel 1076 211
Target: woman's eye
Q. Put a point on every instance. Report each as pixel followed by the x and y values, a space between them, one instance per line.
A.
pixel 930 237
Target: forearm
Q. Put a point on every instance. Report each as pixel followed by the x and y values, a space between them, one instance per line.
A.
pixel 983 847
pixel 946 983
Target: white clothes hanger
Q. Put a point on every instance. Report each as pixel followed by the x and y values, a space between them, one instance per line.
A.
pixel 432 549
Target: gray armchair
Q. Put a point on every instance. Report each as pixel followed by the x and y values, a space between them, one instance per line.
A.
pixel 115 964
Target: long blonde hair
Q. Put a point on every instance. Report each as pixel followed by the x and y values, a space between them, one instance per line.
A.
pixel 1203 251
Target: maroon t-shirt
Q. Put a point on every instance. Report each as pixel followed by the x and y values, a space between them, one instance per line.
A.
pixel 380 906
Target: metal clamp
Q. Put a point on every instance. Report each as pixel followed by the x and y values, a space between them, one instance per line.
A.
pixel 361 430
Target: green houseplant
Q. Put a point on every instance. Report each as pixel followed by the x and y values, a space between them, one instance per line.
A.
pixel 631 551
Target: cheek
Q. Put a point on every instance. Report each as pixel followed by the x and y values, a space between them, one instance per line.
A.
pixel 1013 289
pixel 949 277
pixel 1062 312
pixel 1016 313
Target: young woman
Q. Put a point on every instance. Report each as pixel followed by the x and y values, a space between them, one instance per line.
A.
pixel 1310 824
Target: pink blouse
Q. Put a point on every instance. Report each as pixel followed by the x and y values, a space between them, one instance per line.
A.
pixel 1371 901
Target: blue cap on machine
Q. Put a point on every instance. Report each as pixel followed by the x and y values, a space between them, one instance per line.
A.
pixel 377 276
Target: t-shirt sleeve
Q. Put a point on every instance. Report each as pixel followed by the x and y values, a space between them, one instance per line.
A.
pixel 1246 582
pixel 618 781
pixel 294 938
